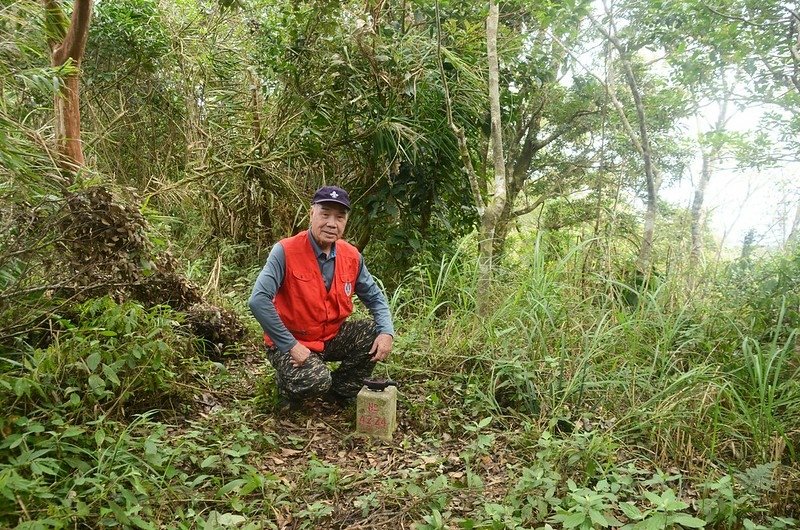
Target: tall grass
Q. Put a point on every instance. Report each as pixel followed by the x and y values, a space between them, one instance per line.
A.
pixel 765 394
pixel 664 372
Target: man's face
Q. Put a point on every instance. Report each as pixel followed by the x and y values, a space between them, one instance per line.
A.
pixel 328 220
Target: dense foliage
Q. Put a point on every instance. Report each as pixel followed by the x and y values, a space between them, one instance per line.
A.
pixel 583 387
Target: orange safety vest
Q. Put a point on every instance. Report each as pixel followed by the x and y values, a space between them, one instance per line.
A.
pixel 311 314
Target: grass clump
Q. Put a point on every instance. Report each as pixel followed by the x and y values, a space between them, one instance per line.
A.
pixel 659 377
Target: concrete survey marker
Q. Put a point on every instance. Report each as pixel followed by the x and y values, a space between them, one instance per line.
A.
pixel 376 409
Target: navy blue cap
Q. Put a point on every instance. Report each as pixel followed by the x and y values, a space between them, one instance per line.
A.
pixel 331 194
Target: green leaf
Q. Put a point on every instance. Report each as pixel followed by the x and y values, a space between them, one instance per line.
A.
pixel 39 524
pixel 35 428
pixel 653 498
pixel 688 521
pixel 414 490
pixel 150 447
pixel 598 518
pixel 93 361
pixel 657 521
pixel 119 513
pixel 198 480
pixel 485 440
pixel 574 520
pixel 676 505
pixel 230 520
pixel 209 462
pixel 97 384
pixel 72 431
pixel 111 375
pixel 234 484
pixel 484 422
pixel 77 463
pixel 141 523
pixel 22 387
pixel 253 482
pixel 630 511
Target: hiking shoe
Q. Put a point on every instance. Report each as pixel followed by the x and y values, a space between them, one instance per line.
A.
pixel 337 399
pixel 285 404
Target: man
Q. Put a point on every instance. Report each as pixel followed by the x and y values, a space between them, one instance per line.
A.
pixel 302 299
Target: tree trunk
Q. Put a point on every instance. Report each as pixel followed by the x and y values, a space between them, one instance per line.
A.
pixel 67 42
pixel 645 257
pixel 710 155
pixel 653 180
pixel 497 203
pixel 697 211
pixel 643 146
pixel 68 125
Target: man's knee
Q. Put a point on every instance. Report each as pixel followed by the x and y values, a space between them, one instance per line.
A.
pixel 354 338
pixel 313 386
pixel 311 380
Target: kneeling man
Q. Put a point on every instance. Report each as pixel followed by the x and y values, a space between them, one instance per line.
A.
pixel 302 299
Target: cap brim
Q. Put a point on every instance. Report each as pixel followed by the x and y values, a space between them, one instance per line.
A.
pixel 340 203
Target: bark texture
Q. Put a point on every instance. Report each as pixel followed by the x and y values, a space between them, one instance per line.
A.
pixel 497 202
pixel 67 42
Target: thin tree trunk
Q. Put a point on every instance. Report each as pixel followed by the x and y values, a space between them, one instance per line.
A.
pixel 494 208
pixel 710 155
pixel 67 41
pixel 489 212
pixel 697 211
pixel 653 182
pixel 645 257
pixel 643 146
pixel 68 124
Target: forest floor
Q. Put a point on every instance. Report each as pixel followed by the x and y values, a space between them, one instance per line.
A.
pixel 449 465
pixel 333 478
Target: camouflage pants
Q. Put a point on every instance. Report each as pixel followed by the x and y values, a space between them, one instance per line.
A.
pixel 350 346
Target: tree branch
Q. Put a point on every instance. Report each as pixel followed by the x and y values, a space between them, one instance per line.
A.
pixel 643 143
pixel 609 92
pixel 739 19
pixel 562 129
pixel 531 207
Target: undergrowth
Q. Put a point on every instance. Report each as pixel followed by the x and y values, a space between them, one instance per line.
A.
pixel 554 410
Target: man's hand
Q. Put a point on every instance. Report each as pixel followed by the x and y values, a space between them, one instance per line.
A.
pixel 381 347
pixel 299 354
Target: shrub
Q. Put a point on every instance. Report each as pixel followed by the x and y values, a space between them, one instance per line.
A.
pixel 107 356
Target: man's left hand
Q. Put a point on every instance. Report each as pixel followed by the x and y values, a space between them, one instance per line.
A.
pixel 381 347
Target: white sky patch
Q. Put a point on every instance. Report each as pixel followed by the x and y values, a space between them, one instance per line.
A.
pixel 737 202
pixel 740 200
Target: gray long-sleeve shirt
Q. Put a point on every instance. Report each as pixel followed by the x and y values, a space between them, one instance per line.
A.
pixel 271 278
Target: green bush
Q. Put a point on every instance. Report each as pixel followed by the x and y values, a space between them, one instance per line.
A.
pixel 106 357
pixel 54 474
